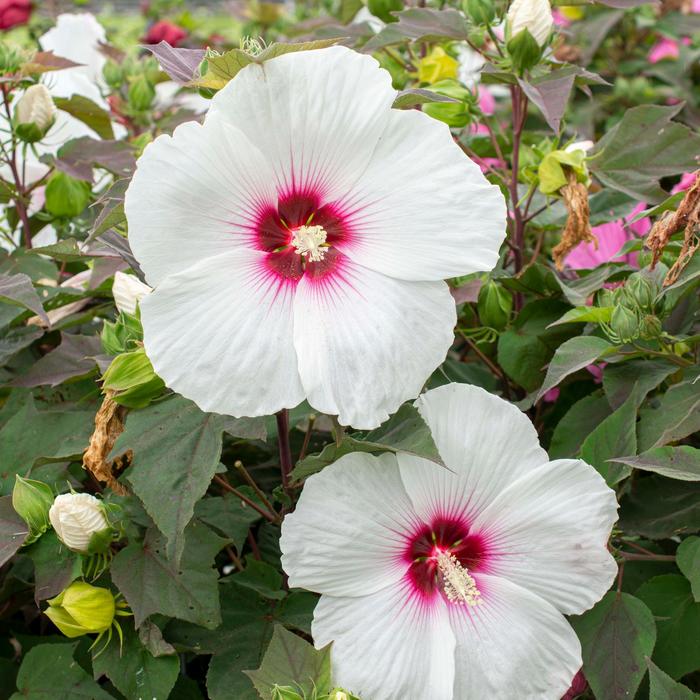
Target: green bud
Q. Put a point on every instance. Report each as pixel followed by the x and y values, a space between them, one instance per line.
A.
pixel 605 298
pixel 454 114
pixel 285 692
pixel 141 94
pixel 625 323
pixel 132 377
pixel 122 335
pixel 494 304
pixel 113 74
pixel 82 609
pixel 66 196
pixel 479 11
pixel 384 8
pixel 642 289
pixel 10 58
pixel 524 51
pixel 31 500
pixel 650 327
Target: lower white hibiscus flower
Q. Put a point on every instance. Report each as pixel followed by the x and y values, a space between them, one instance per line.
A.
pixel 452 583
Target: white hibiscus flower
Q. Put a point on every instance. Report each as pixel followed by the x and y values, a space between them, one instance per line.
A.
pixel 298 241
pixel 452 583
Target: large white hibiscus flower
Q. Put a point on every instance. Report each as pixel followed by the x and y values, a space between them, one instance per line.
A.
pixel 298 241
pixel 450 583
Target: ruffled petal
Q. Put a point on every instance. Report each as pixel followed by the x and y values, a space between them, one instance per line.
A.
pixel 195 194
pixel 423 210
pixel 317 116
pixel 346 536
pixel 486 443
pixel 548 532
pixel 367 342
pixel 388 646
pixel 513 645
pixel 220 333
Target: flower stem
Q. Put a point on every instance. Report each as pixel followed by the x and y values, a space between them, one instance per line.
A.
pixel 284 448
pixel 239 494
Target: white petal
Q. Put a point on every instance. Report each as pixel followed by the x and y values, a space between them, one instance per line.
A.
pixel 387 646
pixel 317 115
pixel 194 195
pixel 423 210
pixel 366 342
pixel 220 333
pixel 128 291
pixel 346 536
pixel 486 443
pixel 533 15
pixel 548 532
pixel 513 645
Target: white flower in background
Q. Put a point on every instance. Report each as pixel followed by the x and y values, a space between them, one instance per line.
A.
pixel 36 107
pixel 584 146
pixel 169 93
pixel 533 15
pixel 471 63
pixel 76 517
pixel 128 291
pixel 453 583
pixel 298 241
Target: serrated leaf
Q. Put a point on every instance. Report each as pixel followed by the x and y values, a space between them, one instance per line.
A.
pixel 644 146
pixel 688 560
pixel 133 670
pixel 175 452
pixel 571 356
pixel 616 635
pixel 677 622
pixel 292 661
pixel 13 530
pixel 228 515
pixel 49 672
pixel 152 584
pixel 681 463
pixel 88 113
pixel 18 290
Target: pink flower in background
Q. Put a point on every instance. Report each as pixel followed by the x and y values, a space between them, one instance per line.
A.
pixel 552 395
pixel 666 48
pixel 165 31
pixel 611 237
pixel 487 102
pixel 695 7
pixel 687 179
pixel 14 13
pixel 597 372
pixel 559 19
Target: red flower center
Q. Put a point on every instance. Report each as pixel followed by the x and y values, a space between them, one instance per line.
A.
pixel 447 535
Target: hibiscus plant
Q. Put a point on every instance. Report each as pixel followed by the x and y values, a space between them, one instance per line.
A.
pixel 349 349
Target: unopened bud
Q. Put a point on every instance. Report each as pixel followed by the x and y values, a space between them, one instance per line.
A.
pixel 34 114
pixel 285 692
pixel 436 66
pixel 642 289
pixel 80 522
pixel 479 11
pixel 113 74
pixel 650 328
pixel 141 94
pixel 128 291
pixel 82 609
pixel 454 114
pixel 625 323
pixel 494 304
pixel 533 16
pixel 32 500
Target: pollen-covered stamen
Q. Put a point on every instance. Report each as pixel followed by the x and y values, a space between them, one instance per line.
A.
pixel 310 241
pixel 458 585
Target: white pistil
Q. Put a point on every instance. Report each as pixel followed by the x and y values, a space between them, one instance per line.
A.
pixel 458 585
pixel 310 241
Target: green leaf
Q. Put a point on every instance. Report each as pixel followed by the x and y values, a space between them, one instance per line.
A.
pixel 571 356
pixel 405 431
pixel 176 449
pixel 421 24
pixel 228 515
pixel 586 314
pixel 18 290
pixel 620 379
pixel 578 422
pixel 132 377
pixel 297 610
pixel 55 566
pixel 88 112
pixel 628 160
pixel 67 250
pixel 49 672
pixel 291 660
pixel 663 687
pixel 407 99
pixel 674 462
pixel 135 672
pixel 688 560
pixel 34 437
pixel 616 636
pixel 659 508
pixel 152 584
pixel 14 340
pixel 13 530
pixel 261 577
pixel 578 291
pixel 677 621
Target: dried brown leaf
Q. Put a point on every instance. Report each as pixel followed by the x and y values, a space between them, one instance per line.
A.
pixel 578 224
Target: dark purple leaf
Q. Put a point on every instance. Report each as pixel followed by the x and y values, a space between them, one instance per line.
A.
pixel 18 290
pixel 121 246
pixel 78 157
pixel 550 94
pixel 13 530
pixel 180 64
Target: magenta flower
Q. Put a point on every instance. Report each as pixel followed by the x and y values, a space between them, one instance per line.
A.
pixel 687 179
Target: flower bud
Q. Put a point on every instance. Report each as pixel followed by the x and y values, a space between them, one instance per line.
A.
pixel 113 74
pixel 78 519
pixel 650 327
pixel 479 11
pixel 625 323
pixel 82 609
pixel 66 197
pixel 34 114
pixel 524 51
pixel 141 94
pixel 127 291
pixel 32 500
pixel 454 114
pixel 535 16
pixel 285 692
pixel 494 305
pixel 642 289
pixel 436 66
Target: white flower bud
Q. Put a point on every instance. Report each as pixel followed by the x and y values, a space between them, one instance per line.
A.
pixel 76 517
pixel 533 15
pixel 128 291
pixel 36 107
